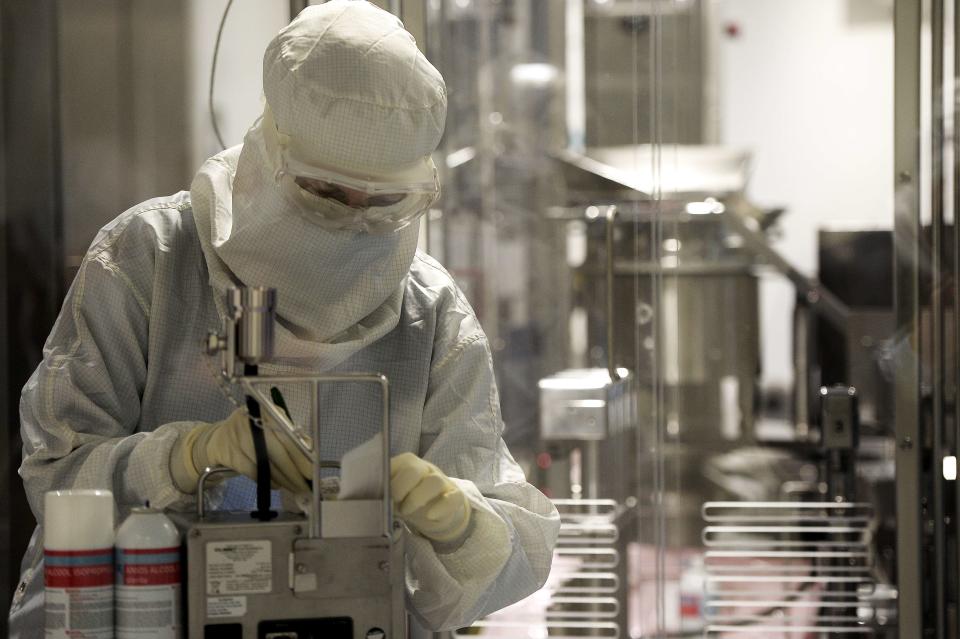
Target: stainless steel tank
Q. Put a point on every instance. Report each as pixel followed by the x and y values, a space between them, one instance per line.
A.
pixel 685 283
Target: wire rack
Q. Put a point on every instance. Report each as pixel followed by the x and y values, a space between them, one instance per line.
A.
pixel 582 596
pixel 788 569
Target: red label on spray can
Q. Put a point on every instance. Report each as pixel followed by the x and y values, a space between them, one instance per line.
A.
pixel 148 566
pixel 79 593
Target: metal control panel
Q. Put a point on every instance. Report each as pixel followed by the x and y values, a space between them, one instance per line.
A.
pixel 268 580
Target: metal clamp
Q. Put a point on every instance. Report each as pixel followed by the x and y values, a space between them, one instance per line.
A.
pixel 250 386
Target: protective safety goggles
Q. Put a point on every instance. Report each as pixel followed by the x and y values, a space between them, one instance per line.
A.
pixel 346 195
pixel 420 179
pixel 416 185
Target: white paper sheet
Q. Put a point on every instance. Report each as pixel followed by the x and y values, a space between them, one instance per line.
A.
pixel 360 471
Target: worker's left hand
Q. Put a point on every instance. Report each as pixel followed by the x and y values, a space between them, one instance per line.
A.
pixel 427 500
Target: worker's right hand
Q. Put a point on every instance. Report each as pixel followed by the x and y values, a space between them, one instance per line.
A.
pixel 229 443
pixel 427 500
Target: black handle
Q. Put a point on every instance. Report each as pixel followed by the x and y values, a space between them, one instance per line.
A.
pixel 263 512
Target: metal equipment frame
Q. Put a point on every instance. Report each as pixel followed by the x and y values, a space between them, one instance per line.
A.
pixel 925 402
pixel 328 579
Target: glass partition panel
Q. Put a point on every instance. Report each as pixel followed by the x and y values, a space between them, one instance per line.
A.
pixel 675 220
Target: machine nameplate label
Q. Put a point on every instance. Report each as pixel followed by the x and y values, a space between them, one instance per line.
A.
pixel 219 607
pixel 239 567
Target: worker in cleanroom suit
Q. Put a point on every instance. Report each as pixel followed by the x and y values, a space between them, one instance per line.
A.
pixel 320 201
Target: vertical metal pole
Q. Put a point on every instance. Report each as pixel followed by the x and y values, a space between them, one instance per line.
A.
pixel 316 505
pixel 802 324
pixel 435 48
pixel 8 438
pixel 413 13
pixel 656 139
pixel 296 6
pixel 385 456
pixel 710 33
pixel 487 158
pixel 611 219
pixel 576 88
pixel 955 363
pixel 937 310
pixel 590 473
pixel 907 43
pixel 8 451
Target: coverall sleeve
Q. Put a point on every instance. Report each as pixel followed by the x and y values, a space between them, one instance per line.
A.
pixel 80 410
pixel 507 553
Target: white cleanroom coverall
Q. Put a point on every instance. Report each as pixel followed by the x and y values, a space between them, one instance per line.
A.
pixel 124 375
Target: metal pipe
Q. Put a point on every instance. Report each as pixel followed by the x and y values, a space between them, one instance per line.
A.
pixel 436 50
pixel 486 250
pixel 253 309
pixel 908 25
pixel 802 327
pixel 936 308
pixel 659 369
pixel 575 74
pixel 385 468
pixel 333 378
pixel 611 217
pixel 956 262
pixel 229 354
pixel 590 464
pixel 710 31
pixel 296 6
pixel 316 513
pixel 817 296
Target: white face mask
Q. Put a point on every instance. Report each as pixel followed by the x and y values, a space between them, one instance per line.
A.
pixel 337 290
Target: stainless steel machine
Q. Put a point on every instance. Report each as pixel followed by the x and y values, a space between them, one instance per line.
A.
pixel 336 572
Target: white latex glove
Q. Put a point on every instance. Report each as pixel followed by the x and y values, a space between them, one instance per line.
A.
pixel 427 500
pixel 229 443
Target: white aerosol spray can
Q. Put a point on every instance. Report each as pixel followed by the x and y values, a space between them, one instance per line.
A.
pixel 148 577
pixel 78 564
